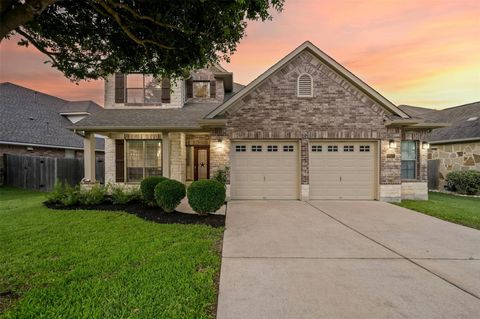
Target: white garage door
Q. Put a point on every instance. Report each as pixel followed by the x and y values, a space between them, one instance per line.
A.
pixel 264 170
pixel 342 170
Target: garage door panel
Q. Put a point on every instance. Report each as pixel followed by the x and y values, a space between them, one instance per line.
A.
pixel 264 174
pixel 342 174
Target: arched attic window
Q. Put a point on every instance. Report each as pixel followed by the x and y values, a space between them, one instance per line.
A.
pixel 305 85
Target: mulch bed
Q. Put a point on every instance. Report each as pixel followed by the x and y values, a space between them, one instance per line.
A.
pixel 154 214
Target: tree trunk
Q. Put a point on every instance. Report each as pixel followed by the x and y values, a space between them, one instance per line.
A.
pixel 12 18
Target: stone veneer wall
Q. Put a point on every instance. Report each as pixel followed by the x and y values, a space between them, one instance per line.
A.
pixel 455 157
pixel 178 157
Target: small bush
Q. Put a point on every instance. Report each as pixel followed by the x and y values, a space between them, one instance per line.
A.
pixel 169 194
pixel 64 194
pixel 71 195
pixel 206 196
pixel 93 196
pixel 57 193
pixel 464 182
pixel 147 187
pixel 122 196
pixel 221 175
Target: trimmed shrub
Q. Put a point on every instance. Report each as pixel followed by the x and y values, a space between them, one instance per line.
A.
pixel 464 182
pixel 169 194
pixel 206 196
pixel 94 196
pixel 57 193
pixel 221 176
pixel 122 196
pixel 147 187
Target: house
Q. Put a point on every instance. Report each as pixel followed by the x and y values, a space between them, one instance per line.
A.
pixel 307 128
pixel 36 124
pixel 456 147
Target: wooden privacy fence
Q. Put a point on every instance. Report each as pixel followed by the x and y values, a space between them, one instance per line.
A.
pixel 41 173
pixel 433 173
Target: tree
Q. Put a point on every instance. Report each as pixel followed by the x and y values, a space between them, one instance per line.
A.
pixel 90 39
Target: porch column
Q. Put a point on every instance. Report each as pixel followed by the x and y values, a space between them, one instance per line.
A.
pixel 89 156
pixel 166 155
pixel 178 156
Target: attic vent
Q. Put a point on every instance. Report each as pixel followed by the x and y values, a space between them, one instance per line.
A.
pixel 472 119
pixel 305 85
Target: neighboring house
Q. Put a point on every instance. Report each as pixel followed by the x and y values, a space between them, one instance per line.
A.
pixel 456 147
pixel 307 128
pixel 34 123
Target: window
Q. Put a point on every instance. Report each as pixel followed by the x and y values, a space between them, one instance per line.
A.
pixel 272 148
pixel 144 159
pixel 143 89
pixel 348 148
pixel 288 148
pixel 256 148
pixel 364 148
pixel 409 159
pixel 332 148
pixel 305 85
pixel 316 148
pixel 240 148
pixel 201 89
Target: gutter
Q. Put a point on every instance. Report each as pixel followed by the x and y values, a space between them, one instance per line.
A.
pixel 132 128
pixel 469 139
pixel 46 146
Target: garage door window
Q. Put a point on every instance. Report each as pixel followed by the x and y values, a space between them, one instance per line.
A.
pixel 288 148
pixel 240 148
pixel 332 148
pixel 256 148
pixel 364 148
pixel 316 148
pixel 348 148
pixel 409 159
pixel 272 148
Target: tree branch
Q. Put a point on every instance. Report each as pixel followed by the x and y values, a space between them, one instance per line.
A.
pixel 12 18
pixel 147 18
pixel 37 45
pixel 127 31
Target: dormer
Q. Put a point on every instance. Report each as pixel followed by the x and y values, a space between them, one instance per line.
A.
pixel 137 90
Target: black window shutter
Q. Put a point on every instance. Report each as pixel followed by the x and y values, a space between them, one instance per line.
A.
pixel 213 89
pixel 166 90
pixel 189 84
pixel 119 88
pixel 119 161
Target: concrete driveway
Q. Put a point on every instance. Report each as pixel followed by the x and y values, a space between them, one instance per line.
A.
pixel 338 259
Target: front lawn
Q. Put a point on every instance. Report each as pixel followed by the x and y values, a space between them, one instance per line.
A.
pixel 96 264
pixel 456 209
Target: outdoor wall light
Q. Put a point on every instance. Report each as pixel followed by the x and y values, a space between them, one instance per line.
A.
pixel 392 144
pixel 425 145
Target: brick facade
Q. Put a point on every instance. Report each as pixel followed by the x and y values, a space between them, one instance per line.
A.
pixel 272 110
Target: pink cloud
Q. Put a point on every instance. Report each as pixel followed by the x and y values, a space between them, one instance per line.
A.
pixel 397 46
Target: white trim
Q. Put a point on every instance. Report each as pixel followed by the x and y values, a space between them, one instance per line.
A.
pixel 45 145
pixel 325 59
pixel 311 85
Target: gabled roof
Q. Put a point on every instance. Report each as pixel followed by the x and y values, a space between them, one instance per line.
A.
pixel 362 86
pixel 28 117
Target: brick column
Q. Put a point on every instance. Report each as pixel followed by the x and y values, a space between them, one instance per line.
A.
pixel 304 169
pixel 178 156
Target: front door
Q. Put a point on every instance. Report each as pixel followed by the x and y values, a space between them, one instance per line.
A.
pixel 201 164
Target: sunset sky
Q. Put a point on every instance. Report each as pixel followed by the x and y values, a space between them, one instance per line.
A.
pixel 417 52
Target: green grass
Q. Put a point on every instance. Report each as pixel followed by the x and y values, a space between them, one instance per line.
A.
pixel 92 264
pixel 456 209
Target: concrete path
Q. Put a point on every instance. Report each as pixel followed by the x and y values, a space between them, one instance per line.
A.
pixel 337 259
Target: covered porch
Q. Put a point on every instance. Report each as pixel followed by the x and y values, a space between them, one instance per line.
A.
pixel 132 156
